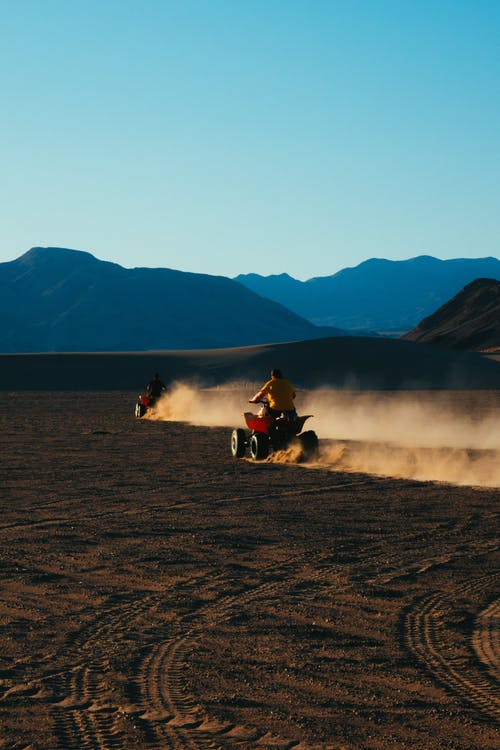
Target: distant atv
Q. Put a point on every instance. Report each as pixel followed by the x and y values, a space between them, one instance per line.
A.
pixel 145 403
pixel 269 434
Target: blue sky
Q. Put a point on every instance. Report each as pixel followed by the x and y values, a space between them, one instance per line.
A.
pixel 227 137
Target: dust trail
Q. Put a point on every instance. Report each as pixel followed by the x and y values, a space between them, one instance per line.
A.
pixel 209 407
pixel 423 418
pixel 453 465
pixel 444 436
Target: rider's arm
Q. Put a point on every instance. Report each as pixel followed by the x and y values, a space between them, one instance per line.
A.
pixel 258 397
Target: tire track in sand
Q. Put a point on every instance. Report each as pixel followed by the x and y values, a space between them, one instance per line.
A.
pixel 427 636
pixel 486 638
pixel 174 716
pixel 87 716
pixel 167 714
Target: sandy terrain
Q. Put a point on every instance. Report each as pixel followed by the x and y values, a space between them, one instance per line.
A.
pixel 157 593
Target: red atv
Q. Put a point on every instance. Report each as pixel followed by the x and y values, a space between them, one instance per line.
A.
pixel 272 434
pixel 144 403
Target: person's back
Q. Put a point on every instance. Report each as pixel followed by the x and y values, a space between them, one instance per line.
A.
pixel 156 387
pixel 280 394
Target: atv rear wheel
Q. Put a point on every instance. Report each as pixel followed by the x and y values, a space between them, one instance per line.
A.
pixel 238 443
pixel 309 443
pixel 259 446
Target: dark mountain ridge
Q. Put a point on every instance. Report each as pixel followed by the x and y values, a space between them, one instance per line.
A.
pixel 56 299
pixel 470 320
pixel 378 295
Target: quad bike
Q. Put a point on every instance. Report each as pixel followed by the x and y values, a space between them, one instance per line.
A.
pixel 272 434
pixel 144 403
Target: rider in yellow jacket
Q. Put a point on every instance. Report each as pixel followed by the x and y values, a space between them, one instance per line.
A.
pixel 280 395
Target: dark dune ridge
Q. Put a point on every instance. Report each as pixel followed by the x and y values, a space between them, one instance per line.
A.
pixel 343 362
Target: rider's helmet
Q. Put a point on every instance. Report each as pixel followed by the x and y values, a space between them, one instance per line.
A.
pixel 276 373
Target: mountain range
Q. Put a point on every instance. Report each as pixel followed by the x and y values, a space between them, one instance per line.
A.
pixel 55 299
pixel 61 300
pixel 390 297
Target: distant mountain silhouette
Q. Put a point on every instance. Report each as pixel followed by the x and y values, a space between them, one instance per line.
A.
pixel 55 299
pixel 377 295
pixel 471 320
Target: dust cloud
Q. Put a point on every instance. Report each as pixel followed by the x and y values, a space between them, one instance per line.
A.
pixel 446 436
pixel 205 407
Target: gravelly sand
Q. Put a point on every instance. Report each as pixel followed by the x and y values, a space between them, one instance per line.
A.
pixel 156 593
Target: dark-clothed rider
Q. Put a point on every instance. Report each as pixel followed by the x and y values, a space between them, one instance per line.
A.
pixel 156 387
pixel 279 394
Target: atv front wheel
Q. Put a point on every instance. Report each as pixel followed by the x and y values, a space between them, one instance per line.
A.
pixel 259 446
pixel 238 443
pixel 140 409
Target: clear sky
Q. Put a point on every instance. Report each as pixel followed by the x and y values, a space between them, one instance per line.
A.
pixel 236 136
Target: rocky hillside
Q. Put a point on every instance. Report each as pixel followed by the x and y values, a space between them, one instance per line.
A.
pixel 471 320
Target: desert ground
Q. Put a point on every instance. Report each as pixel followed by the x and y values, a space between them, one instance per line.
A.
pixel 158 593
